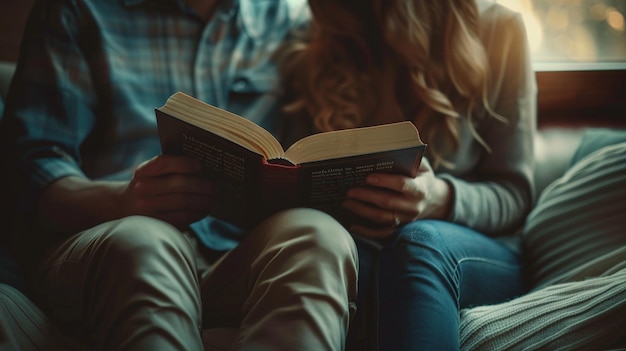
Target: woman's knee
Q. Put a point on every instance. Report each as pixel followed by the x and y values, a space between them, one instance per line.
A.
pixel 425 242
pixel 423 233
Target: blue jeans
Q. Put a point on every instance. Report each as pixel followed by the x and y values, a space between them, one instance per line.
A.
pixel 422 278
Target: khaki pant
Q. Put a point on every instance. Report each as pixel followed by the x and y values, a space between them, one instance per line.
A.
pixel 133 284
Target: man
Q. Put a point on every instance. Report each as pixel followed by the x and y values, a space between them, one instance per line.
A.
pixel 110 226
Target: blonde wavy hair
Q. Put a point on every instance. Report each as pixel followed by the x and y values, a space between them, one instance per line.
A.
pixel 329 71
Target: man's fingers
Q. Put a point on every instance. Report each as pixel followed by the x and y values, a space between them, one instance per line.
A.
pixel 167 164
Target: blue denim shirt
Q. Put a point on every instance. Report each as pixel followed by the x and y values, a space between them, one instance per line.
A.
pixel 91 73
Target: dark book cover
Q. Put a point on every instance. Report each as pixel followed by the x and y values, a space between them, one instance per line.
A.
pixel 249 188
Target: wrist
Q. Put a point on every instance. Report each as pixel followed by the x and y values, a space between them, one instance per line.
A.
pixel 73 204
pixel 445 198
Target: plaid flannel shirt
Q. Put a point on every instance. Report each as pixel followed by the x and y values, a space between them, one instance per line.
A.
pixel 91 73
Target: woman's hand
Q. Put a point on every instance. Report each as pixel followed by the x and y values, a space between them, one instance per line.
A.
pixel 170 188
pixel 391 200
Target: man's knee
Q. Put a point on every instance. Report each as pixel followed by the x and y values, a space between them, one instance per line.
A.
pixel 320 231
pixel 140 237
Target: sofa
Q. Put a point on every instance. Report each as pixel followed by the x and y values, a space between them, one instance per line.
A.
pixel 574 243
pixel 577 297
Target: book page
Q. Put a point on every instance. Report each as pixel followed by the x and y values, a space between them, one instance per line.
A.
pixel 352 142
pixel 223 123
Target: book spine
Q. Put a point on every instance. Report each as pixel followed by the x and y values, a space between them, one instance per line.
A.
pixel 279 187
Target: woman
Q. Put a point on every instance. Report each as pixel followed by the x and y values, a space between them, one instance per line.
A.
pixel 460 71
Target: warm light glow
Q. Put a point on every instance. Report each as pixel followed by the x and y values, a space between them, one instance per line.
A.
pixel 615 19
pixel 582 46
pixel 558 18
pixel 584 31
pixel 598 12
pixel 534 31
pixel 532 24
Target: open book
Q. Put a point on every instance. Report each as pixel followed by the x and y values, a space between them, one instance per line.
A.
pixel 255 177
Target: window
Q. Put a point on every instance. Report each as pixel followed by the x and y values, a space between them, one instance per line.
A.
pixel 566 34
pixel 579 55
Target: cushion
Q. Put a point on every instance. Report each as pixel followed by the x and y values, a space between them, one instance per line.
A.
pixel 575 243
pixel 23 326
pixel 10 272
pixel 594 139
pixel 6 74
pixel 567 316
pixel 578 220
pixel 554 147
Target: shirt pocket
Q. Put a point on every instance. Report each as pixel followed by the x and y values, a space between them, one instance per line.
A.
pixel 254 95
pixel 257 82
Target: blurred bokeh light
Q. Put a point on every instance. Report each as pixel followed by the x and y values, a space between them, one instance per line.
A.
pixel 574 30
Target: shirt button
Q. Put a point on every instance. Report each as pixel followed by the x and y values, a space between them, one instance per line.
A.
pixel 240 84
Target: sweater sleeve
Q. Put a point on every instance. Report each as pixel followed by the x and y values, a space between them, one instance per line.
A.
pixel 493 192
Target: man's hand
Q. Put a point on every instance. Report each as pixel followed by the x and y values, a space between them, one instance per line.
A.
pixel 391 200
pixel 170 188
